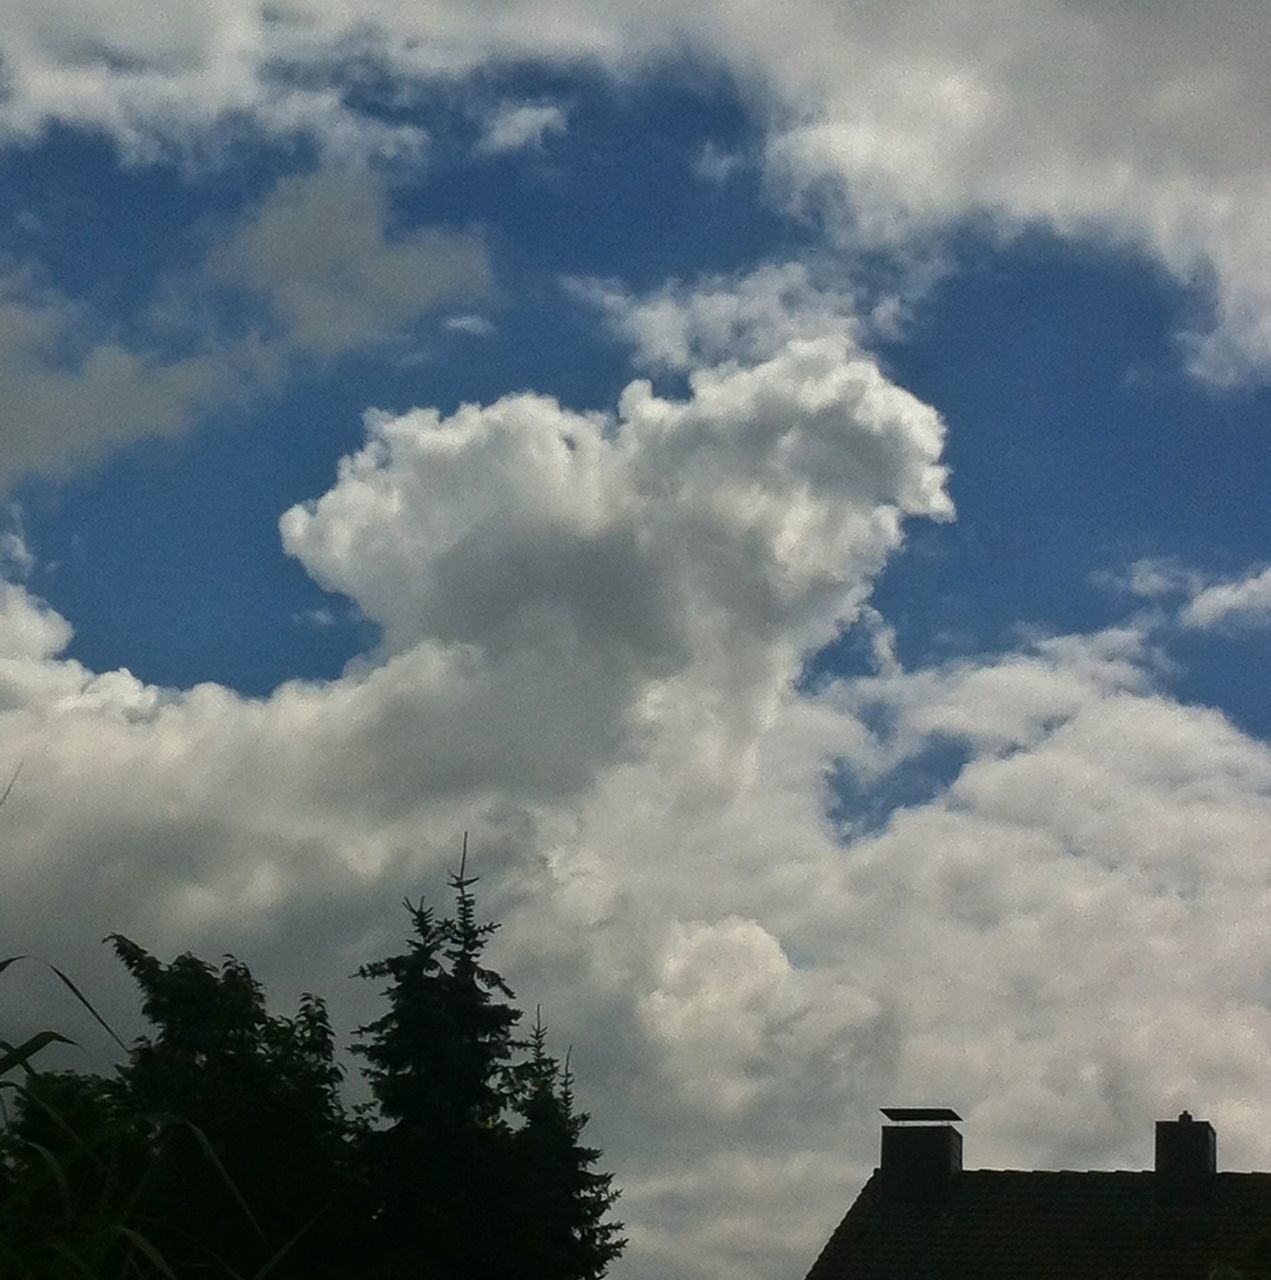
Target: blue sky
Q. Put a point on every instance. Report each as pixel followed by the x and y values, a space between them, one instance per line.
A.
pixel 1078 443
pixel 794 488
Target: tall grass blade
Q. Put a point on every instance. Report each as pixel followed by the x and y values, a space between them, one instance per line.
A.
pixel 12 780
pixel 88 1004
pixel 210 1152
pixel 64 1251
pixel 21 1056
pixel 287 1248
pixel 56 1172
pixel 146 1249
pixel 74 990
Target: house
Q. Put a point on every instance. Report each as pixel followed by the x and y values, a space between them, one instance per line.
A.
pixel 922 1216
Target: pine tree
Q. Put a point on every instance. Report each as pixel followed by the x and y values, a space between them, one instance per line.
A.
pixel 438 1064
pixel 562 1230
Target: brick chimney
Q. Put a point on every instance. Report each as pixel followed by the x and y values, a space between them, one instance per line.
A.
pixel 921 1152
pixel 1186 1156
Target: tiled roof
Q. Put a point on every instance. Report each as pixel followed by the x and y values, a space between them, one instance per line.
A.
pixel 1014 1225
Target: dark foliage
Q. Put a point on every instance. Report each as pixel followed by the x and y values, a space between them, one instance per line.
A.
pixel 479 1173
pixel 559 1218
pixel 221 1148
pixel 243 1115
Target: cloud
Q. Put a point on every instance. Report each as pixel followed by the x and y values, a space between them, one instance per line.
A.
pixel 16 557
pixel 316 268
pixel 474 325
pixel 1152 578
pixel 321 251
pixel 741 986
pixel 29 629
pixel 716 165
pixel 790 477
pixel 73 390
pixel 513 127
pixel 1197 602
pixel 1242 603
pixel 594 626
pixel 895 123
pixel 682 325
pixel 583 614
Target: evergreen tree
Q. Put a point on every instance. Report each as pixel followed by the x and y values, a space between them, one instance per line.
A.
pixel 561 1211
pixel 438 1064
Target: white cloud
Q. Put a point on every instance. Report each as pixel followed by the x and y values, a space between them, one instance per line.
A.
pixel 1142 128
pixel 716 165
pixel 474 325
pixel 577 609
pixel 29 629
pixel 1154 579
pixel 319 253
pixel 16 557
pixel 1197 602
pixel 515 126
pixel 683 325
pixel 1245 602
pixel 593 627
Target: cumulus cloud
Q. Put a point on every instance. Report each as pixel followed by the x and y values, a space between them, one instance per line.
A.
pixel 515 126
pixel 790 477
pixel 29 629
pixel 1242 603
pixel 575 606
pixel 593 629
pixel 895 122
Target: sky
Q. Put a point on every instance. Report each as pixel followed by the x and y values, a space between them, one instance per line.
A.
pixel 790 481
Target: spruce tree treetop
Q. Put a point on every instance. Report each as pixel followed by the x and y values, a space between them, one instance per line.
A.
pixel 438 1057
pixel 564 1229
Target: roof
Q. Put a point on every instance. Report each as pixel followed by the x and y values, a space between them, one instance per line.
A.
pixel 919 1113
pixel 1017 1225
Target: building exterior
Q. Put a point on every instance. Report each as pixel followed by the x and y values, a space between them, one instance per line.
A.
pixel 921 1216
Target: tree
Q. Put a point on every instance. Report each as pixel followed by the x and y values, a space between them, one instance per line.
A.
pixel 438 1064
pixel 481 1171
pixel 243 1117
pixel 221 1147
pixel 563 1202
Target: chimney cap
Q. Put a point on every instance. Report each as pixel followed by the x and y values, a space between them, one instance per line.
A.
pixel 901 1114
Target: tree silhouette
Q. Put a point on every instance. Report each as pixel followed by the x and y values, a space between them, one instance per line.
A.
pixel 560 1214
pixel 437 1063
pixel 243 1116
pixel 221 1148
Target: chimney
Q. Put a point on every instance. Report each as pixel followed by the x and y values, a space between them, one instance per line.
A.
pixel 921 1152
pixel 1186 1156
